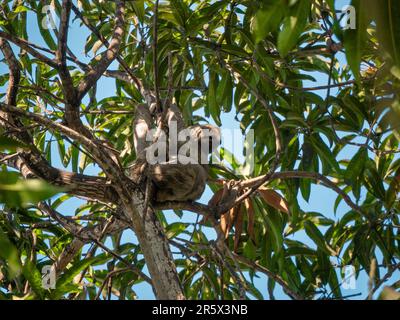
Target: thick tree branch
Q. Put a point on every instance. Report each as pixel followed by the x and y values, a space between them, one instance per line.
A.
pixel 195 207
pixel 14 72
pixel 7 120
pixel 32 166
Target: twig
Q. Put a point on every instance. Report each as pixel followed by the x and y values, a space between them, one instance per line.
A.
pixel 269 274
pixel 278 139
pixel 240 281
pixel 170 92
pixel 392 270
pixel 108 277
pixel 108 165
pixel 301 174
pixel 25 45
pixel 127 263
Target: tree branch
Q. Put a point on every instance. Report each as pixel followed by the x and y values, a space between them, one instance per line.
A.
pixel 86 235
pixel 195 207
pixel 300 174
pixel 14 72
pixel 61 54
pixel 109 166
pixel 392 269
pixel 155 58
pixel 7 120
pixel 269 274
pixel 278 139
pixel 129 76
pixel 61 58
pixel 32 166
pixel 25 45
pixel 109 55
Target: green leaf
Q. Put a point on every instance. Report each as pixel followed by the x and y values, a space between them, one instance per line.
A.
pixel 293 27
pixel 386 15
pixel 16 192
pixel 355 40
pixel 267 20
pixel 331 4
pixel 139 8
pixel 34 278
pixel 325 154
pixel 355 169
pixel 174 229
pixel 274 224
pixel 213 105
pixel 63 283
pixel 43 28
pixel 334 283
pixel 339 199
pixel 10 254
pixel 300 251
pixel 20 9
pixel 249 250
pixel 224 91
pixel 75 158
pixel 7 143
pixel 316 236
pixel 374 182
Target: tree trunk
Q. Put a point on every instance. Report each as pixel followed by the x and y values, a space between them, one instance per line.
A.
pixel 154 244
pixel 157 254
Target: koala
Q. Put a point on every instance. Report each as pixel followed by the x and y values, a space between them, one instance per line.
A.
pixel 182 172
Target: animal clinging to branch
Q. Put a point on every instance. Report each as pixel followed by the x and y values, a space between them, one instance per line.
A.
pixel 176 163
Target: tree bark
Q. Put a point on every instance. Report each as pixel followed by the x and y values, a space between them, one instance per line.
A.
pixel 154 244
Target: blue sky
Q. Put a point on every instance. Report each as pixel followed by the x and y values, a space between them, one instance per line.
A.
pixel 321 200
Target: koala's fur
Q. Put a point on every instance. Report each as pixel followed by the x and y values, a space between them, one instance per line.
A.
pixel 173 181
